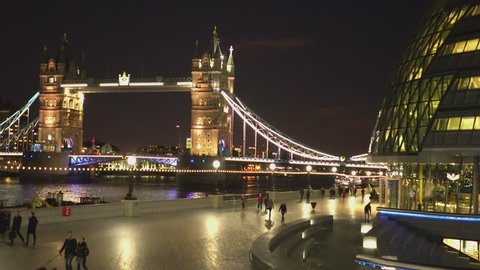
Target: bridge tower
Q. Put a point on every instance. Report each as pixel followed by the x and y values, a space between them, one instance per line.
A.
pixel 60 126
pixel 212 126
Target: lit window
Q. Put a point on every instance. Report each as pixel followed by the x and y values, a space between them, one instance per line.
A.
pixel 467 123
pixel 458 47
pixel 474 83
pixel 465 46
pixel 51 79
pixel 475 10
pixel 453 123
pixel 477 123
pixel 441 124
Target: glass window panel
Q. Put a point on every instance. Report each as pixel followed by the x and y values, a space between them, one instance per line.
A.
pixel 441 124
pixel 471 45
pixel 474 83
pixel 453 123
pixel 459 46
pixel 477 123
pixel 463 83
pixel 467 123
pixel 476 10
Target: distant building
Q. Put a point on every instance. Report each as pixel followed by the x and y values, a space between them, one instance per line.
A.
pixel 159 150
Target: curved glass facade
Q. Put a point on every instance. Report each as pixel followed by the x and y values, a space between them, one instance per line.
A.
pixel 424 77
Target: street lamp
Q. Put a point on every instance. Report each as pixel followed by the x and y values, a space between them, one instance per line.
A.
pixel 309 169
pixel 179 138
pixel 216 165
pixel 272 168
pixel 354 173
pixel 132 161
pixel 334 169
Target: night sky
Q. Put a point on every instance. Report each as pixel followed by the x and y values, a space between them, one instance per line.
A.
pixel 316 70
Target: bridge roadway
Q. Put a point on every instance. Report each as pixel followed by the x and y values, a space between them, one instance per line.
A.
pixel 188 239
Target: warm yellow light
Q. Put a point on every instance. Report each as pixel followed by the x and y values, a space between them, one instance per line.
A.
pixel 365 228
pixel 370 242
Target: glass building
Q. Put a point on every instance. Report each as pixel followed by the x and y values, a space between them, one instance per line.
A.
pixel 428 127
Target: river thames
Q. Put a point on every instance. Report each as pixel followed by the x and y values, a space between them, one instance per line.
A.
pixel 114 188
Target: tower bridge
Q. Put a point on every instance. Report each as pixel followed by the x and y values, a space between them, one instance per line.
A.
pixel 63 85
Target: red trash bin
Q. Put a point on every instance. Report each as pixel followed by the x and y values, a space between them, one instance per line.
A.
pixel 66 211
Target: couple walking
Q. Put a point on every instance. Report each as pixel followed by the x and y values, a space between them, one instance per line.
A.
pixel 72 249
pixel 31 229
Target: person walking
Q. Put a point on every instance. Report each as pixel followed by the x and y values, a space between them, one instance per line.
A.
pixel 269 208
pixel 82 253
pixel 283 211
pixel 322 192
pixel 355 192
pixel 308 194
pixel 344 194
pixel 243 200
pixel 70 246
pixel 32 228
pixel 16 224
pixel 302 191
pixel 260 201
pixel 265 201
pixel 363 194
pixel 368 212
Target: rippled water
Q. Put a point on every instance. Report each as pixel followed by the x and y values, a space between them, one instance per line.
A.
pixel 15 192
pixel 114 188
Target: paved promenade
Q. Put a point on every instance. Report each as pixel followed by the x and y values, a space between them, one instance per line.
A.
pixel 189 239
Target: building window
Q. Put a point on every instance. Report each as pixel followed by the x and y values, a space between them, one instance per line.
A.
pixel 462 46
pixel 467 123
pixel 51 79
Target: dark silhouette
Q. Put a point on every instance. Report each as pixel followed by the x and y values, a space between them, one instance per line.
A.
pixel 301 194
pixel 283 211
pixel 16 224
pixel 32 228
pixel 368 212
pixel 82 253
pixel 70 246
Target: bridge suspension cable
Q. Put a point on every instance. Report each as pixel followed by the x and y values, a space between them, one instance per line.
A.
pixel 11 130
pixel 272 135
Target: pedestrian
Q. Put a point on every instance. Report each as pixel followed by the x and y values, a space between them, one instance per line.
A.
pixel 260 201
pixel 70 246
pixel 368 212
pixel 308 194
pixel 419 206
pixel 243 200
pixel 32 228
pixel 82 253
pixel 283 211
pixel 344 194
pixel 265 201
pixel 363 194
pixel 16 224
pixel 269 208
pixel 355 191
pixel 322 192
pixel 301 194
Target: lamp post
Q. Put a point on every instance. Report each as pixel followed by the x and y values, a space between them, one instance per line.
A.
pixel 179 138
pixel 132 161
pixel 272 168
pixel 216 165
pixel 309 169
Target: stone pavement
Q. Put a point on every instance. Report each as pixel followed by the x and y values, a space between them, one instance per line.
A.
pixel 188 239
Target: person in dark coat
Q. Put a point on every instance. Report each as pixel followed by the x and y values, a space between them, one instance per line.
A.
pixel 16 224
pixel 308 194
pixel 32 228
pixel 301 194
pixel 70 246
pixel 82 253
pixel 368 212
pixel 283 211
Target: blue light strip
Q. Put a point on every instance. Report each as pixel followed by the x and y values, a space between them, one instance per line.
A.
pixel 431 216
